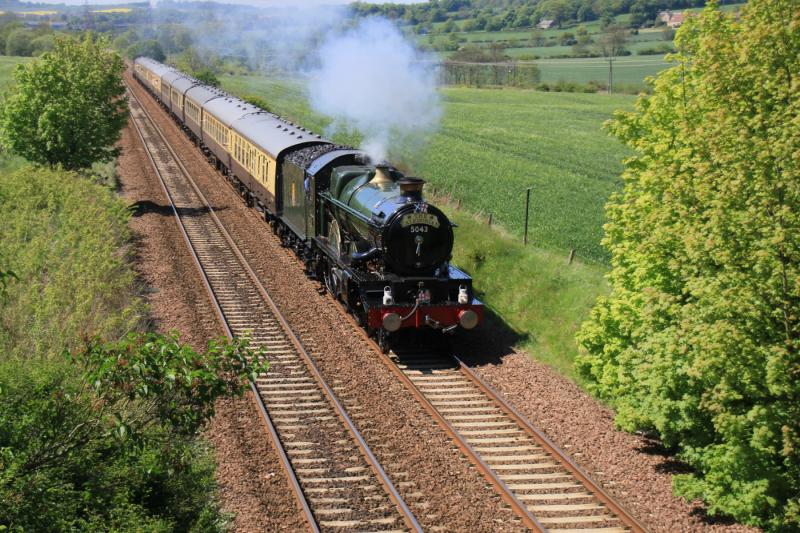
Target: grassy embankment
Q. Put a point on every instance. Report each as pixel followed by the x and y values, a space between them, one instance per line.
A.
pixel 65 238
pixel 492 145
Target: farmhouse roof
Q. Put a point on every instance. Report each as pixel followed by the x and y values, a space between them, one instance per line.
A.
pixel 546 24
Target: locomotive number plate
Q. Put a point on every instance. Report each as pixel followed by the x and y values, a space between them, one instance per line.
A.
pixel 412 219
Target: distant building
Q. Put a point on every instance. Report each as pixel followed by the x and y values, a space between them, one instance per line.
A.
pixel 673 20
pixel 546 24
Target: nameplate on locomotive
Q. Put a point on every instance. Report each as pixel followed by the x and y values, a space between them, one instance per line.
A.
pixel 413 219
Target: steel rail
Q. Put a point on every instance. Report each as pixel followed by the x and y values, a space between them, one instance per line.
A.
pixel 498 484
pixel 535 434
pixel 266 420
pixel 623 514
pixel 384 479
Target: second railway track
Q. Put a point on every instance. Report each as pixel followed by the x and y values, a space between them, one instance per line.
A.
pixel 338 483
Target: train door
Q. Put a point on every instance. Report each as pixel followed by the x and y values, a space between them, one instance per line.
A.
pixel 311 217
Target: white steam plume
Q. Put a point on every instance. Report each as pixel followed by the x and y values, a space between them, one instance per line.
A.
pixel 372 79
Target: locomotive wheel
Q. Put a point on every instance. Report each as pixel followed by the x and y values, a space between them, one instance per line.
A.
pixel 382 337
pixel 335 238
pixel 331 283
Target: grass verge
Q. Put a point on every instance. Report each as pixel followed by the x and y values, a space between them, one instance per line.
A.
pixel 536 292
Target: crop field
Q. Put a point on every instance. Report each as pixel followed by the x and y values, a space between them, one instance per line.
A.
pixel 114 10
pixel 527 52
pixel 40 13
pixel 493 144
pixel 631 70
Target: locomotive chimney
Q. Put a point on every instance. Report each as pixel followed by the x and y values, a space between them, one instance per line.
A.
pixel 382 176
pixel 411 187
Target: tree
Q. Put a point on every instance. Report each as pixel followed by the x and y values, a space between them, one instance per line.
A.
pixel 18 43
pixel 699 339
pixel 207 76
pixel 537 37
pixel 495 24
pixel 107 440
pixel 69 107
pixel 566 39
pixel 42 44
pixel 148 48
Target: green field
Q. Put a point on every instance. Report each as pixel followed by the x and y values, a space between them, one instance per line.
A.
pixel 7 65
pixel 631 70
pixel 492 145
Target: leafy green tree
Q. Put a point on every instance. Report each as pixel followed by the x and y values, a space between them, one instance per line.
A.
pixel 699 339
pixel 124 40
pixel 42 44
pixel 149 48
pixel 537 37
pixel 469 25
pixel 68 108
pixel 18 43
pixel 207 76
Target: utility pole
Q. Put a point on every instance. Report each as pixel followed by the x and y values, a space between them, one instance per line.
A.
pixel 527 210
pixel 610 74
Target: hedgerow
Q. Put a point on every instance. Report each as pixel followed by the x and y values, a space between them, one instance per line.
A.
pixel 699 339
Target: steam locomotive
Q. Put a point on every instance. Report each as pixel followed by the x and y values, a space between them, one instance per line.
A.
pixel 365 230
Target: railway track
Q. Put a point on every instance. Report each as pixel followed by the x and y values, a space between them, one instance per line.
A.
pixel 338 483
pixel 538 480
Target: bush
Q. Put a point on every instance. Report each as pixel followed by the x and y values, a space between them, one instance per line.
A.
pixel 207 76
pixel 18 43
pixel 700 338
pixel 107 440
pixel 42 44
pixel 148 48
pixel 256 101
pixel 660 49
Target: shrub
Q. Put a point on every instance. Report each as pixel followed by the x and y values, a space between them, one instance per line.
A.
pixel 207 76
pixel 108 440
pixel 148 48
pixel 700 337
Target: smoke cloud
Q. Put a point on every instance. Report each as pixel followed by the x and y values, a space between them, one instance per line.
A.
pixel 362 73
pixel 372 79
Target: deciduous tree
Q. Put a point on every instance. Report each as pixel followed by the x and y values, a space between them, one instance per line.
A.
pixel 68 108
pixel 699 339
